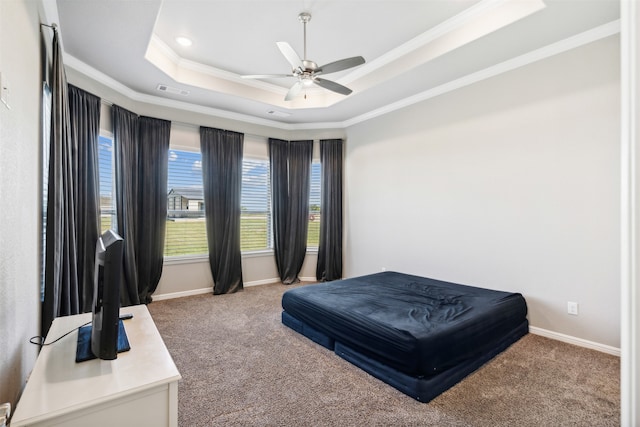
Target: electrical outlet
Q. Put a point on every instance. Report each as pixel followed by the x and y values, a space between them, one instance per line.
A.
pixel 572 308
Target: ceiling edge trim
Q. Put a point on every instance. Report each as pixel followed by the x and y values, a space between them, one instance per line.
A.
pixel 81 67
pixel 180 62
pixel 570 43
pixel 573 42
pixel 455 23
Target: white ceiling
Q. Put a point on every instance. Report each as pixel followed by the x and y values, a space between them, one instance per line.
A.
pixel 414 48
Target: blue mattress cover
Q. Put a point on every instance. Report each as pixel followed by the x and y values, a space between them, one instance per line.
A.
pixel 417 325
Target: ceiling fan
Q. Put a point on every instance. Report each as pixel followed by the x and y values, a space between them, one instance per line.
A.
pixel 306 71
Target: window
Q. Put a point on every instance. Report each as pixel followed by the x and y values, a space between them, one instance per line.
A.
pixel 186 228
pixel 255 206
pixel 106 167
pixel 313 236
pixel 186 232
pixel 46 137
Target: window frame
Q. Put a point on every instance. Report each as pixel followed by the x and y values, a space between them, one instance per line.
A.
pixel 184 258
pixel 189 258
pixel 314 249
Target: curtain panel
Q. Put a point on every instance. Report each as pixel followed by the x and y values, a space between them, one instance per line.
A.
pixel 278 159
pixel 141 146
pixel 125 135
pixel 85 130
pixel 222 181
pixel 61 269
pixel 329 266
pixel 290 163
pixel 73 198
pixel 154 135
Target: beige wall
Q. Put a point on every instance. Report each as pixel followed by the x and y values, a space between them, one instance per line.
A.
pixel 20 50
pixel 511 183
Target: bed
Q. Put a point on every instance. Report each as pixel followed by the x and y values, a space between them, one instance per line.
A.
pixel 419 335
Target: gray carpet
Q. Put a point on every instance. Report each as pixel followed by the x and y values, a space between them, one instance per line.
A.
pixel 241 367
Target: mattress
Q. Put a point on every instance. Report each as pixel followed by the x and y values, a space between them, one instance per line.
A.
pixel 413 326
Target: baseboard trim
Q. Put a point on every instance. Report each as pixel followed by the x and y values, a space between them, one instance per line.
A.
pixel 575 341
pixel 275 280
pixel 261 282
pixel 172 295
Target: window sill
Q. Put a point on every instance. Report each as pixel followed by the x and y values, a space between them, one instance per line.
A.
pixel 258 254
pixel 186 259
pixel 195 259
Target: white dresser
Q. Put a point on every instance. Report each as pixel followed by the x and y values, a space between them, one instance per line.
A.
pixel 139 388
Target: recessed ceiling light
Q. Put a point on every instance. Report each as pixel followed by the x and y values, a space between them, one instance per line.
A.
pixel 184 41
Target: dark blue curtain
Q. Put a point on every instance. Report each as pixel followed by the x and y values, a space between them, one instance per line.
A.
pixel 153 151
pixel 141 157
pixel 71 211
pixel 290 163
pixel 85 130
pixel 329 266
pixel 125 136
pixel 222 181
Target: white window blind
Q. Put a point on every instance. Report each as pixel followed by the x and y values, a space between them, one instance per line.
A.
pixel 255 206
pixel 186 228
pixel 313 236
pixel 186 232
pixel 106 167
pixel 46 137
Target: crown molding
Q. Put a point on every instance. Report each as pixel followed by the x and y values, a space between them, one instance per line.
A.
pixel 466 17
pixel 81 67
pixel 573 42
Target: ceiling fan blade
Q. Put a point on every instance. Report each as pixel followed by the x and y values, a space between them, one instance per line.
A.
pixel 342 64
pixel 266 76
pixel 294 91
pixel 290 54
pixel 333 86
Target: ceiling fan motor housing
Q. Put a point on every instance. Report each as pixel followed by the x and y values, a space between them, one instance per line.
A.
pixel 304 17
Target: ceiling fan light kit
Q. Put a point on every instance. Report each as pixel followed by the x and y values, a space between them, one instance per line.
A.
pixel 306 71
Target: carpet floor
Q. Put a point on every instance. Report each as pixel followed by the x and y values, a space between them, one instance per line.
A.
pixel 241 367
